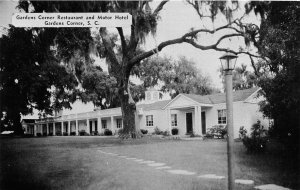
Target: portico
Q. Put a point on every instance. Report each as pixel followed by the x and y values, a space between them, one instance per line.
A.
pixel 187 115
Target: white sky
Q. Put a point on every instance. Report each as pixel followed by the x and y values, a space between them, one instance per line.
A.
pixel 177 18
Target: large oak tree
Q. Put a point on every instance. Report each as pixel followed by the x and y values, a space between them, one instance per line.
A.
pixel 74 45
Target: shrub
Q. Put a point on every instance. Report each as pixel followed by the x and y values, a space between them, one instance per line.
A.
pixel 65 134
pixel 120 131
pixel 165 133
pixel 242 132
pixel 217 131
pixel 38 134
pixel 50 134
pixel 157 131
pixel 256 142
pixel 58 133
pixel 44 134
pixel 107 132
pixel 83 133
pixel 174 131
pixel 144 131
pixel 73 133
pixel 95 133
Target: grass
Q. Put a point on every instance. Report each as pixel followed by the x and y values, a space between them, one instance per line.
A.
pixel 75 163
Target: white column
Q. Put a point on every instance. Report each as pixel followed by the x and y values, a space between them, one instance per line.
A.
pixel 76 127
pixel 198 126
pixel 54 129
pixel 196 123
pixel 34 129
pixel 88 126
pixel 47 126
pixel 112 124
pixel 62 128
pixel 69 128
pixel 99 123
pixel 169 119
pixel 200 120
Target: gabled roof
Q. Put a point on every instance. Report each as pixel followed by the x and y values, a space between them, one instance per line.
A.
pixel 239 95
pixel 29 120
pixel 154 106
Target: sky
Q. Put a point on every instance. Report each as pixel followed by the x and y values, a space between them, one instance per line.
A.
pixel 177 18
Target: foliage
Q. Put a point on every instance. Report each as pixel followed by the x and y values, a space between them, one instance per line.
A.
pixel 100 88
pixel 174 131
pixel 279 45
pixel 38 134
pixel 73 133
pixel 165 133
pixel 257 141
pixel 242 78
pixel 58 133
pixel 157 131
pixel 242 132
pixel 29 71
pixel 144 131
pixel 217 131
pixel 107 132
pixel 174 76
pixel 122 53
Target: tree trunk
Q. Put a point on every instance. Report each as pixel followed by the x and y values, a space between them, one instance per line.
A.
pixel 128 107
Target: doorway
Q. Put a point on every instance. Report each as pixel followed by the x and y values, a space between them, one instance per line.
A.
pixel 203 121
pixel 189 123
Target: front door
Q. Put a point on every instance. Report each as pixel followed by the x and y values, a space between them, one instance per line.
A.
pixel 189 123
pixel 203 121
pixel 91 127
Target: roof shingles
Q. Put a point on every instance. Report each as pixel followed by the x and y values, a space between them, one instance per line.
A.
pixel 239 95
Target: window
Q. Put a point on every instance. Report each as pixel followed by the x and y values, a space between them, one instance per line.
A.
pixel 148 95
pixel 174 119
pixel 119 123
pixel 104 124
pixel 155 96
pixel 149 120
pixel 221 116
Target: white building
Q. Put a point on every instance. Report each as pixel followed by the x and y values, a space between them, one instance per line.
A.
pixel 187 112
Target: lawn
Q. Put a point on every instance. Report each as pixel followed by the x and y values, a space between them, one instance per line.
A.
pixel 77 163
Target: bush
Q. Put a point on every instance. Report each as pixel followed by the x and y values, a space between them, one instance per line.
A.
pixel 257 141
pixel 73 133
pixel 120 131
pixel 44 134
pixel 95 133
pixel 50 134
pixel 58 133
pixel 38 134
pixel 217 131
pixel 144 131
pixel 107 132
pixel 83 133
pixel 157 131
pixel 174 131
pixel 65 134
pixel 165 133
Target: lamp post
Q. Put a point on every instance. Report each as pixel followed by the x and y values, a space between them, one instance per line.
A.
pixel 228 61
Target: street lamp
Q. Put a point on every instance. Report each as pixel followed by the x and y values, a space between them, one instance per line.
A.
pixel 228 61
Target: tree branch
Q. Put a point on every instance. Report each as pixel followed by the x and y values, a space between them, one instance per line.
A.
pixel 253 65
pixel 160 7
pixel 108 46
pixel 123 41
